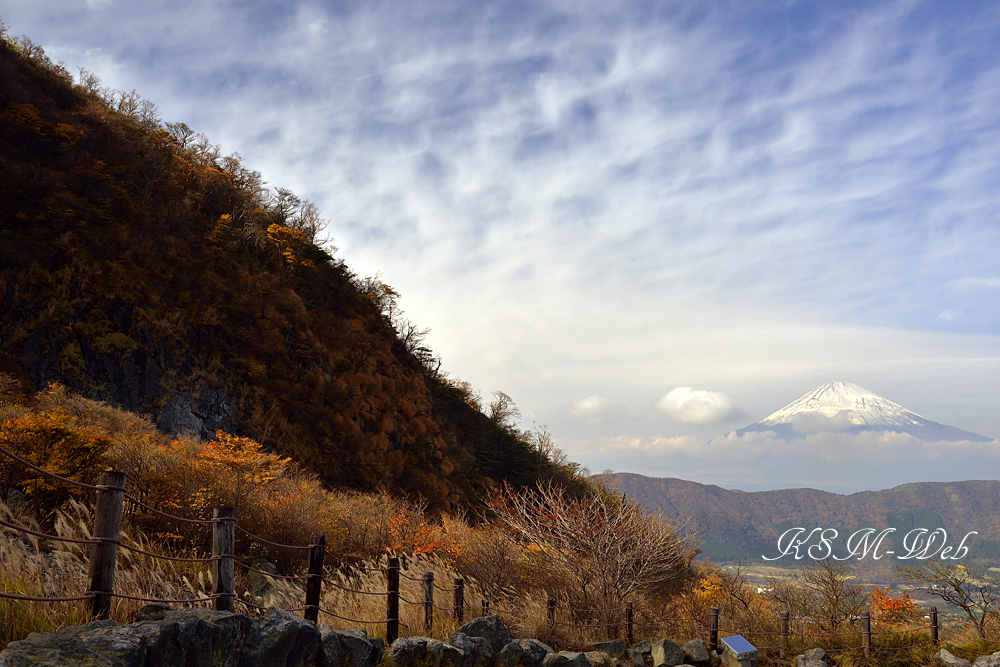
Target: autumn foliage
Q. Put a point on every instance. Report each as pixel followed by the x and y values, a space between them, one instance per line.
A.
pixel 891 609
pixel 142 266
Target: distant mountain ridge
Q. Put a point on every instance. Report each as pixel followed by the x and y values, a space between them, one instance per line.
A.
pixel 845 407
pixel 741 525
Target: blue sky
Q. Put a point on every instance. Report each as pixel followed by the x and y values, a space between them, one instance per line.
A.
pixel 592 204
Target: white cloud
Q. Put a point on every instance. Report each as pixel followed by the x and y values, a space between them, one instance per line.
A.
pixel 831 446
pixel 590 200
pixel 686 405
pixel 595 409
pixel 654 445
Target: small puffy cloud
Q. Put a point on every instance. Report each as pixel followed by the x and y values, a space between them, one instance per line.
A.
pixel 655 445
pixel 945 316
pixel 595 409
pixel 686 405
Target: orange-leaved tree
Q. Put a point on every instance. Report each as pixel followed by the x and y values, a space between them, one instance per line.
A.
pixel 50 441
pixel 891 609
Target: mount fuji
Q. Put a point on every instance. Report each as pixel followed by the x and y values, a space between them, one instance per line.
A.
pixel 847 408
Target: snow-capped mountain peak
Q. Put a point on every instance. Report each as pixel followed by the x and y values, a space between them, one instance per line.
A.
pixel 844 406
pixel 857 405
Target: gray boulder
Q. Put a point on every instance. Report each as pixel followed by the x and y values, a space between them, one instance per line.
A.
pixel 510 655
pixel 695 652
pixel 42 649
pixel 378 649
pixel 801 661
pixel 987 660
pixel 566 659
pixel 814 657
pixel 194 638
pixel 434 652
pixel 534 651
pixel 640 655
pixel 816 654
pixel 200 636
pixel 615 648
pixel 279 639
pixel 425 652
pixel 490 628
pixel 477 651
pixel 333 652
pixel 635 658
pixel 115 642
pixel 451 656
pixel 665 653
pixel 408 651
pixel 358 650
pixel 946 658
pixel 162 640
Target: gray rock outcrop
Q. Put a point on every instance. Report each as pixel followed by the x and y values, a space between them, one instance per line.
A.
pixel 567 659
pixel 477 651
pixel 534 651
pixel 615 648
pixel 510 655
pixel 490 628
pixel 992 660
pixel 197 638
pixel 814 657
pixel 667 654
pixel 695 651
pixel 640 655
pixel 946 658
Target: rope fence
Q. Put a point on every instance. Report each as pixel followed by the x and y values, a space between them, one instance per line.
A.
pixel 111 495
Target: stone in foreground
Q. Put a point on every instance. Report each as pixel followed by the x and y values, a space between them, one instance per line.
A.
pixel 946 658
pixel 666 654
pixel 490 628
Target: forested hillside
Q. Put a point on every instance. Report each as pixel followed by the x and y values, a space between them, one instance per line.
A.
pixel 142 267
pixel 742 525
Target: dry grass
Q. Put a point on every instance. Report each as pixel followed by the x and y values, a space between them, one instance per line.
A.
pixel 37 567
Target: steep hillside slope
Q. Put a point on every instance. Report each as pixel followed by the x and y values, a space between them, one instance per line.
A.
pixel 745 525
pixel 143 268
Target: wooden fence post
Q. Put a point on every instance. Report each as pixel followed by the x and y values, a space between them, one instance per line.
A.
pixel 784 632
pixel 107 525
pixel 629 623
pixel 392 602
pixel 866 631
pixel 552 614
pixel 486 607
pixel 934 625
pixel 713 629
pixel 459 600
pixel 223 569
pixel 428 581
pixel 314 584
